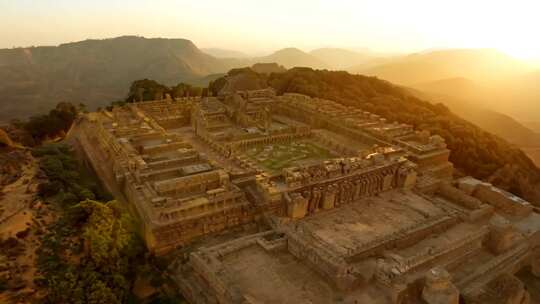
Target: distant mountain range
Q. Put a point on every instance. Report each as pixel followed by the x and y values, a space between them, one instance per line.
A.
pixel 495 122
pixel 477 84
pixel 293 57
pixel 331 58
pixel 485 77
pixel 486 87
pixel 96 72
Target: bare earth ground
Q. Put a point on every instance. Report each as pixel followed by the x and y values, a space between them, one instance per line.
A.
pixel 23 218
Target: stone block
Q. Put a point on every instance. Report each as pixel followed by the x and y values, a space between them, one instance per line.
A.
pixel 482 213
pixel 328 201
pixel 410 180
pixel 297 206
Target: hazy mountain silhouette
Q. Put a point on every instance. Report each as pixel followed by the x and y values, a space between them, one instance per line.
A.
pixel 292 57
pixel 484 77
pixel 96 72
pixel 489 120
pixel 519 97
pixel 477 64
pixel 460 88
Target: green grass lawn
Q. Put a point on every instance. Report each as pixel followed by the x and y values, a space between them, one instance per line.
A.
pixel 278 156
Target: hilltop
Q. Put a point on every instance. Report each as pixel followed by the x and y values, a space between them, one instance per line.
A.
pixel 95 72
pixel 474 151
pixel 292 57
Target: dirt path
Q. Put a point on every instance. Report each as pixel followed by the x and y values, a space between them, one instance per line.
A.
pixel 22 220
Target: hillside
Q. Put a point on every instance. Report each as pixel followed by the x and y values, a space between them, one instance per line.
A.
pixel 95 72
pixel 474 110
pixel 477 64
pixel 522 95
pixel 516 96
pixel 467 88
pixel 474 151
pixel 292 57
pixel 487 78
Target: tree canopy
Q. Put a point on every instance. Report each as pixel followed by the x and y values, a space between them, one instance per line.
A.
pixel 146 89
pixel 56 122
pixel 93 253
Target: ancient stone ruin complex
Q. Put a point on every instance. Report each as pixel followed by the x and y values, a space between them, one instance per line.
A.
pixel 357 209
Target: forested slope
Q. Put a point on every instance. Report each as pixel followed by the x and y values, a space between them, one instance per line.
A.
pixel 474 151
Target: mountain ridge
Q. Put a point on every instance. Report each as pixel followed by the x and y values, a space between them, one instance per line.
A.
pixel 486 77
pixel 96 72
pixel 292 57
pixel 449 63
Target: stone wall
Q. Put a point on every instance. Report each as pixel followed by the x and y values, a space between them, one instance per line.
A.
pixel 502 200
pixel 456 196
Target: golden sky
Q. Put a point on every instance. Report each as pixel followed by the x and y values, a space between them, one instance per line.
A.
pixel 254 26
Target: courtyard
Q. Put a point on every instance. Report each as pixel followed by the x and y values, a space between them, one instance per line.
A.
pixel 275 157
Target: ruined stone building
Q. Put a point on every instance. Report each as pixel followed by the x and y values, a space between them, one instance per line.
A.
pixel 357 209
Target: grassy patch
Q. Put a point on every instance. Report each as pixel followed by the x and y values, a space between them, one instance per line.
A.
pixel 278 156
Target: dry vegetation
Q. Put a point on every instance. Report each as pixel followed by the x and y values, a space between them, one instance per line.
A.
pixel 59 241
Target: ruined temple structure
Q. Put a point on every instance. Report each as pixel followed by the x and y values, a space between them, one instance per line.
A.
pixel 349 207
